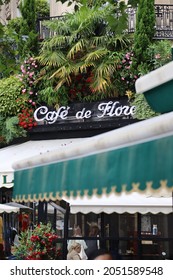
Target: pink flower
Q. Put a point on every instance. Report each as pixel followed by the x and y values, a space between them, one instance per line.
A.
pixel 31 74
pixel 157 56
pixel 127 56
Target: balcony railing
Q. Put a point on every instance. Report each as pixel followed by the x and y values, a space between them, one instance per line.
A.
pixel 164 23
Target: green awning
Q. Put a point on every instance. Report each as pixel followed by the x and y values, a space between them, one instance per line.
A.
pixel 143 159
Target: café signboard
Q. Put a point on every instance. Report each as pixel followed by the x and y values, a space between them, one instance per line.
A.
pixel 110 109
pixel 82 119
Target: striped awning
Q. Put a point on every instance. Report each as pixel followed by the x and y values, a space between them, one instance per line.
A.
pixel 137 157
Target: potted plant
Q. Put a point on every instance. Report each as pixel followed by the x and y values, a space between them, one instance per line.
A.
pixel 38 244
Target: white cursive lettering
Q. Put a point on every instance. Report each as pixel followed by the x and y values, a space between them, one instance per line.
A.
pixel 113 109
pixel 42 114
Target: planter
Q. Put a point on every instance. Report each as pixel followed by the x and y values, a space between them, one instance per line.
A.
pixel 157 87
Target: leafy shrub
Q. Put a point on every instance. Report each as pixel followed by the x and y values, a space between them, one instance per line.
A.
pixel 10 89
pixel 160 53
pixel 9 129
pixel 143 110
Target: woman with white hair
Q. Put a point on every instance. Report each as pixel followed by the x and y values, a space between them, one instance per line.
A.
pixel 74 251
pixel 77 233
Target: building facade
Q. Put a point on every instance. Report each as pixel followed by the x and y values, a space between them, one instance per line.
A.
pixel 11 10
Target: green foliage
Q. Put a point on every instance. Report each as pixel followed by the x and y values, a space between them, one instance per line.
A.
pixel 42 8
pixel 9 129
pixel 22 31
pixel 1 30
pixel 8 52
pixel 10 89
pixel 143 110
pixel 28 43
pixel 15 25
pixel 145 29
pixel 133 3
pixel 28 37
pixel 160 53
pixel 83 44
pixel 28 11
pixel 52 97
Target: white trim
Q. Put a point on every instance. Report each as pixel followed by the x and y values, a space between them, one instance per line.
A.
pixel 8 209
pixel 155 78
pixel 131 203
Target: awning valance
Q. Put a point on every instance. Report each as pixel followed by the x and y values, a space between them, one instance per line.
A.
pixel 135 202
pixel 8 209
pixel 136 157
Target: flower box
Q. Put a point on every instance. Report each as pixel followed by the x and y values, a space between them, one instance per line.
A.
pixel 157 87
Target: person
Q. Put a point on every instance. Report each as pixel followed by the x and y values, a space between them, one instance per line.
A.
pixel 2 256
pixel 92 244
pixel 101 254
pixel 74 251
pixel 77 233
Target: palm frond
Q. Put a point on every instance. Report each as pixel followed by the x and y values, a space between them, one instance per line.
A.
pixel 64 72
pixel 58 26
pixel 121 41
pixel 101 84
pixel 106 68
pixel 78 47
pixel 57 41
pixel 84 66
pixel 96 55
pixel 61 83
pixel 52 59
pixel 99 41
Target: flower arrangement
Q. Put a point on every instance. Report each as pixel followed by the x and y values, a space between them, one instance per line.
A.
pixel 127 76
pixel 39 244
pixel 28 76
pixel 28 98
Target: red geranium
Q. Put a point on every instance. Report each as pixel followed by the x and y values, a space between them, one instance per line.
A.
pixel 39 244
